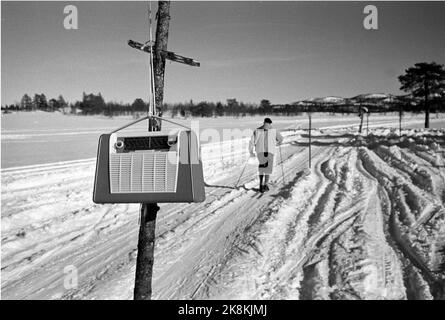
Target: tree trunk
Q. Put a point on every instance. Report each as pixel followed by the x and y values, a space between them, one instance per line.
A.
pixel 427 108
pixel 427 116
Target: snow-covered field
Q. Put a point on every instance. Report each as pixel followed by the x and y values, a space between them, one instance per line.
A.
pixel 41 137
pixel 367 222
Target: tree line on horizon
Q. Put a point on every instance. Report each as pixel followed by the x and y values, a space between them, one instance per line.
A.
pixel 95 104
pixel 425 83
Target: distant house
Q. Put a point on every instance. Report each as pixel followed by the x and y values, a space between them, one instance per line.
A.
pixel 232 102
pixel 278 107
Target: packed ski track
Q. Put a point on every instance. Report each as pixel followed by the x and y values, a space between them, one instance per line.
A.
pixel 367 221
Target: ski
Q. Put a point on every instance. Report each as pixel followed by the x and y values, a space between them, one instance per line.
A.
pixel 167 54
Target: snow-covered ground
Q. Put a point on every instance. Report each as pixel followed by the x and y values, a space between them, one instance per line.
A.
pixel 367 222
pixel 42 137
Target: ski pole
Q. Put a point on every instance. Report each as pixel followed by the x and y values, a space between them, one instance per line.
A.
pixel 242 172
pixel 282 170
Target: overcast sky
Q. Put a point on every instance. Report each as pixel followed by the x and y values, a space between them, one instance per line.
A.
pixel 282 51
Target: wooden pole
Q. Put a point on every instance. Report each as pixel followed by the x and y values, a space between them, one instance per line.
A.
pixel 310 140
pixel 367 123
pixel 400 119
pixel 145 258
pixel 162 26
pixel 147 235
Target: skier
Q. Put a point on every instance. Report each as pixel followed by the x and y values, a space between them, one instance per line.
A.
pixel 264 141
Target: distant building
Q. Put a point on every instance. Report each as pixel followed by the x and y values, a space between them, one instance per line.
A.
pixel 232 102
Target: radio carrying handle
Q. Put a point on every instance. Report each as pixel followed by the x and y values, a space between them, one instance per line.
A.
pixel 145 118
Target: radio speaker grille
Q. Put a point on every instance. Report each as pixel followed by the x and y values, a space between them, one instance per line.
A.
pixel 143 172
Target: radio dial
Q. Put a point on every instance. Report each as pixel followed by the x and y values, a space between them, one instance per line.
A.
pixel 119 144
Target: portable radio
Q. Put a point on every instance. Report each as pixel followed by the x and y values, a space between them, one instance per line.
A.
pixel 149 167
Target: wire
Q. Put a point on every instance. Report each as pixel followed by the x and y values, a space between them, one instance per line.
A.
pixel 148 117
pixel 129 124
pixel 173 122
pixel 149 59
pixel 282 169
pixel 152 91
pixel 242 172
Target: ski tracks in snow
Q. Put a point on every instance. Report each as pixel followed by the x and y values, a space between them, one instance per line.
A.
pixel 367 222
pixel 364 225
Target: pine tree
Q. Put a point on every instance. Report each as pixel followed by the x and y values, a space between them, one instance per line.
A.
pixel 219 109
pixel 26 103
pixel 425 81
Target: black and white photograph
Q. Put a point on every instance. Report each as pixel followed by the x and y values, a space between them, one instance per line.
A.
pixel 240 152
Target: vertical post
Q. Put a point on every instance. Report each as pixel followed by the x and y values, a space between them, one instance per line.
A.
pixel 310 140
pixel 145 258
pixel 146 242
pixel 367 123
pixel 400 120
pixel 163 17
pixel 361 120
